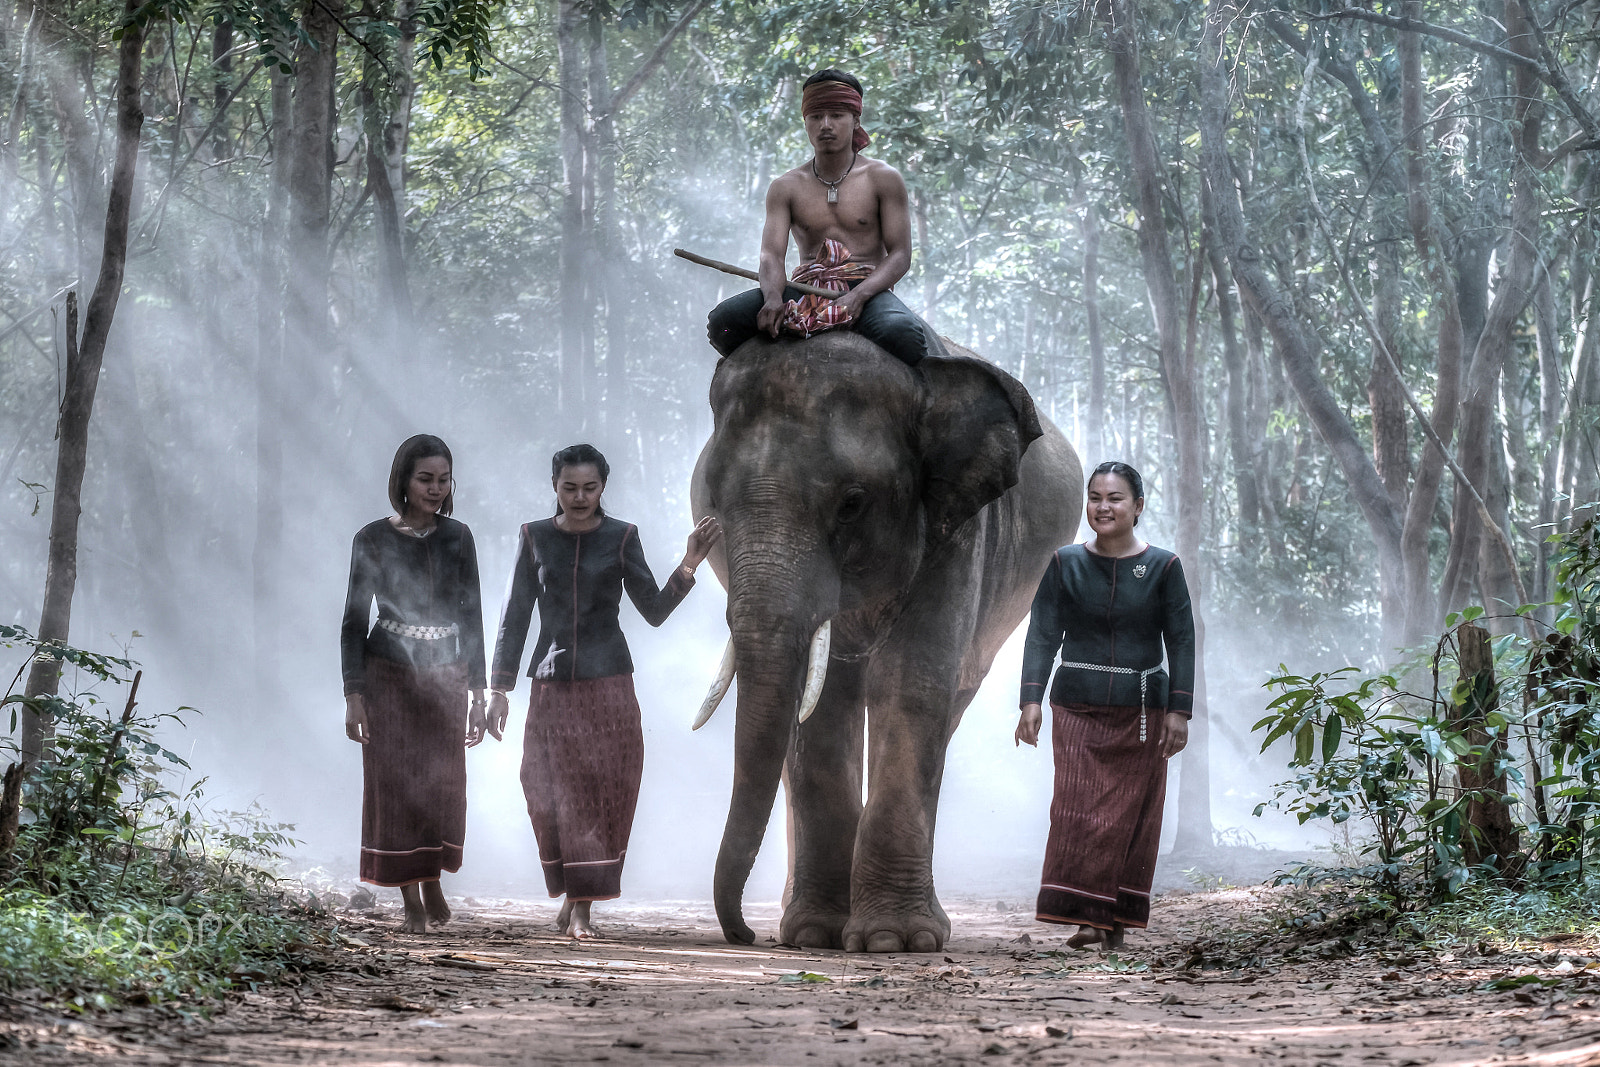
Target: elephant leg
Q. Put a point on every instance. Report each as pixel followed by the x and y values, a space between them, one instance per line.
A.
pixel 893 906
pixel 822 779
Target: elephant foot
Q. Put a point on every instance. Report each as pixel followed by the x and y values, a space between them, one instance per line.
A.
pixel 891 932
pixel 813 924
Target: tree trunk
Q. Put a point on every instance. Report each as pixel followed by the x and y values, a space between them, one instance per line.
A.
pixel 573 265
pixel 1513 291
pixel 310 151
pixel 1178 372
pixel 1277 311
pixel 1095 438
pixel 1549 340
pixel 267 564
pixel 1421 612
pixel 1490 830
pixel 386 98
pixel 1238 404
pixel 83 375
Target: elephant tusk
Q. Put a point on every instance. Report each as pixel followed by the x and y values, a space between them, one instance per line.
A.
pixel 719 688
pixel 816 670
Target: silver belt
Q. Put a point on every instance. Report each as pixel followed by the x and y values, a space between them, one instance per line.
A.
pixel 421 633
pixel 1144 677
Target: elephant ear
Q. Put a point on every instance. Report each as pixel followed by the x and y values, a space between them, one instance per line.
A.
pixel 977 422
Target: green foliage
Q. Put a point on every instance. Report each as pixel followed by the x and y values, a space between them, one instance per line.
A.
pixel 1367 751
pixel 122 886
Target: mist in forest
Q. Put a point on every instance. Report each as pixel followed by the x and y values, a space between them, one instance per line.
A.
pixel 173 511
pixel 184 614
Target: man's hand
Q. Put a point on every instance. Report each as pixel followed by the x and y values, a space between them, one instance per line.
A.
pixel 770 317
pixel 355 719
pixel 852 304
pixel 1174 734
pixel 1028 725
pixel 499 712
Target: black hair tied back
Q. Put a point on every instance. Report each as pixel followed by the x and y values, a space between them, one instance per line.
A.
pixel 577 456
pixel 1123 471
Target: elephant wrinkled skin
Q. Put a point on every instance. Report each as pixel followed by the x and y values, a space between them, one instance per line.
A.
pixel 916 510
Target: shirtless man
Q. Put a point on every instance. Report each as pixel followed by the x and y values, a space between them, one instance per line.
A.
pixel 837 195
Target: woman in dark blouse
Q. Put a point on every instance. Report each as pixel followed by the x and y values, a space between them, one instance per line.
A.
pixel 406 682
pixel 1109 606
pixel 583 750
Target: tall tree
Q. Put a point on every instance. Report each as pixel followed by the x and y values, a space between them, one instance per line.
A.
pixel 83 375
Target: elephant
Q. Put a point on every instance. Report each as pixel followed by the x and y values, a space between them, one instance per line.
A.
pixel 885 529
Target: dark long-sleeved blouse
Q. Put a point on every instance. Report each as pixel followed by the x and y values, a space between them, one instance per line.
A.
pixel 417 581
pixel 1111 613
pixel 577 580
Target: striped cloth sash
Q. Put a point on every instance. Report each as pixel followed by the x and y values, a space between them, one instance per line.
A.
pixel 1144 678
pixel 831 269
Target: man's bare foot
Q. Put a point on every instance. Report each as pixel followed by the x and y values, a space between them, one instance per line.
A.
pixel 433 903
pixel 1086 937
pixel 1113 937
pixel 416 920
pixel 564 916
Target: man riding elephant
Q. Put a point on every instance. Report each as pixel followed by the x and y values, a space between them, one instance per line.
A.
pixel 885 529
pixel 850 219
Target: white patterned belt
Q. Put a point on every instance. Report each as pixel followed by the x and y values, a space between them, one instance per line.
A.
pixel 421 633
pixel 1144 677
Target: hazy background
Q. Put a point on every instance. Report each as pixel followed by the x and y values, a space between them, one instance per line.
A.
pixel 1002 199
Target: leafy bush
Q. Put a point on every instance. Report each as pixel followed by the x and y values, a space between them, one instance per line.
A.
pixel 121 885
pixel 1410 769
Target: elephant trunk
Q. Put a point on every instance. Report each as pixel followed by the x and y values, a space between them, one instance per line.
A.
pixel 779 597
pixel 770 684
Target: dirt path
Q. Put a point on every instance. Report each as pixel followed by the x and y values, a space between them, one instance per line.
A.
pixel 498 987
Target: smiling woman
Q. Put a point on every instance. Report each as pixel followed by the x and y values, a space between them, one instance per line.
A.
pixel 1108 606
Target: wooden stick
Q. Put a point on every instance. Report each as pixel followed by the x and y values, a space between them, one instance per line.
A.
pixel 729 268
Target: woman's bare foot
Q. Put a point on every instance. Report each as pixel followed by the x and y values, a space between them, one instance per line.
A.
pixel 1086 937
pixel 1114 936
pixel 416 920
pixel 433 903
pixel 579 927
pixel 564 916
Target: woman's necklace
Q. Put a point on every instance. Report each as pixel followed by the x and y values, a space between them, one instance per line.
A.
pixel 833 187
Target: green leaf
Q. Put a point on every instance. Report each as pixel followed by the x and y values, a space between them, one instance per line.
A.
pixel 1332 732
pixel 1305 740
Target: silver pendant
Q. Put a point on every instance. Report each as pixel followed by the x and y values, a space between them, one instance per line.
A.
pixel 1138 570
pixel 833 195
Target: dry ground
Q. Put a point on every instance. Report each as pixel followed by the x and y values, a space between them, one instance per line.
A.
pixel 497 986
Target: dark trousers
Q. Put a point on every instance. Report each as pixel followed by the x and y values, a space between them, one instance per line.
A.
pixel 885 321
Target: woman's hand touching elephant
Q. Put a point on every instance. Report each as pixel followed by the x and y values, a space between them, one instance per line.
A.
pixel 706 533
pixel 1028 725
pixel 1174 735
pixel 355 719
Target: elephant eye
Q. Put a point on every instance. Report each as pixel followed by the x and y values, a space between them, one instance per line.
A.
pixel 853 504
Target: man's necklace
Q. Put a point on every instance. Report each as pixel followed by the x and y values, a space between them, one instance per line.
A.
pixel 833 187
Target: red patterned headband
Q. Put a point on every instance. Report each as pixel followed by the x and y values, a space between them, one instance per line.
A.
pixel 835 96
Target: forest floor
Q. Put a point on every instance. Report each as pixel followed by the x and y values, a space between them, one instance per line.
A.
pixel 1215 980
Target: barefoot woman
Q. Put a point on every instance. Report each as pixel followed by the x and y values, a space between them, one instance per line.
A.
pixel 1108 606
pixel 406 682
pixel 583 752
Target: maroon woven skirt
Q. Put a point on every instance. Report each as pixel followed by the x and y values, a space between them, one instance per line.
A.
pixel 1105 817
pixel 582 761
pixel 414 781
